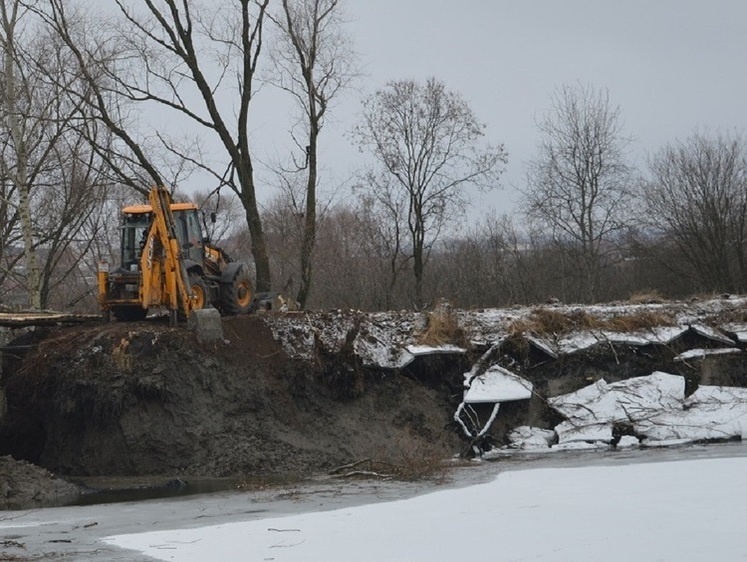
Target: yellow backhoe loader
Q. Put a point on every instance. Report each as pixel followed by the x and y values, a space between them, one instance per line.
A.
pixel 167 262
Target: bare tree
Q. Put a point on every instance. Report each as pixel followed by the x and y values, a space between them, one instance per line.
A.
pixel 313 61
pixel 45 168
pixel 579 182
pixel 697 199
pixel 426 142
pixel 221 214
pixel 18 94
pixel 177 55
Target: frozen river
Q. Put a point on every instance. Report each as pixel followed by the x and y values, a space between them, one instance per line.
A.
pixel 685 503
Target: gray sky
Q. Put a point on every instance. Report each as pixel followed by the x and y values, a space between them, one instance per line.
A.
pixel 671 65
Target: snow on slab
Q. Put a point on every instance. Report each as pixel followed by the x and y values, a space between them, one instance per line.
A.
pixel 588 405
pixel 526 437
pixel 726 396
pixel 593 410
pixel 581 445
pixel 645 511
pixel 627 441
pixel 626 400
pixel 569 432
pixel 696 424
pixel 739 330
pixel 657 409
pixel 545 346
pixel 711 412
pixel 566 344
pixel 703 353
pixel 577 341
pixel 664 334
pixel 418 350
pixel 711 334
pixel 639 397
pixel 497 384
pixel 626 338
pixel 583 340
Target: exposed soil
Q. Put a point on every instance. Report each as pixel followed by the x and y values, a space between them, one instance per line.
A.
pixel 143 399
pixel 22 483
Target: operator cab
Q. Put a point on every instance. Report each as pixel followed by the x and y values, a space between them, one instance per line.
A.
pixel 189 233
pixel 134 232
pixel 136 221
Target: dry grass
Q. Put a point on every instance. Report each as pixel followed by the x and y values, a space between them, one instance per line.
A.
pixel 644 320
pixel 544 321
pixel 650 296
pixel 405 460
pixel 121 358
pixel 442 327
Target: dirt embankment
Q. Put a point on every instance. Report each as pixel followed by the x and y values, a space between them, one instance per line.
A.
pixel 144 399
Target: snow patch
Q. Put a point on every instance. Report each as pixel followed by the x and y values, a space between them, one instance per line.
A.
pixel 526 437
pixel 655 407
pixel 703 353
pixel 418 350
pixel 711 334
pixel 496 384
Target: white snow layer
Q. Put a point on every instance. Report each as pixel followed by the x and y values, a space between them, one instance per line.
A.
pixel 703 353
pixel 687 511
pixel 579 341
pixel 434 349
pixel 656 408
pixel 496 384
pixel 388 339
pixel 526 437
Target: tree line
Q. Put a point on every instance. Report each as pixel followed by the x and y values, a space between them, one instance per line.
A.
pixel 77 82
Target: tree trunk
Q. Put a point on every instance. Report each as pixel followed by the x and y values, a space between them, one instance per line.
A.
pixel 309 231
pixel 20 177
pixel 259 246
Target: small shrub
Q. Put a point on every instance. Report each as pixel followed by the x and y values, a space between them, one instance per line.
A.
pixel 644 320
pixel 546 321
pixel 408 459
pixel 651 296
pixel 442 327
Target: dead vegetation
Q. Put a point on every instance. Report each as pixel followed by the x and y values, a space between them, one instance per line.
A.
pixel 547 321
pixel 442 327
pixel 405 460
pixel 649 296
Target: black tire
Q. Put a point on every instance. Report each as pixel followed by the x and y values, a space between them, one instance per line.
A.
pixel 200 295
pixel 237 296
pixel 129 313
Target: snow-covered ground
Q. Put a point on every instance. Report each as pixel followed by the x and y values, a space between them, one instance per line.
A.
pixel 685 510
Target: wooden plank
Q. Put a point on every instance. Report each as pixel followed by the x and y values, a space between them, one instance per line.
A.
pixel 43 318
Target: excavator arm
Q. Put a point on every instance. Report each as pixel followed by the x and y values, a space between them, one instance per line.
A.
pixel 164 280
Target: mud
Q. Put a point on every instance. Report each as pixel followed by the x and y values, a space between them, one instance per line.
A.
pixel 23 484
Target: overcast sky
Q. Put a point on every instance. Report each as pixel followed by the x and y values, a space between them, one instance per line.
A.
pixel 670 65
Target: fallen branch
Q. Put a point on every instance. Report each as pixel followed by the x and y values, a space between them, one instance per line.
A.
pixel 366 474
pixel 348 466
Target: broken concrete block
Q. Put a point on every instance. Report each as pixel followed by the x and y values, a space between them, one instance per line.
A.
pixel 207 325
pixel 526 437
